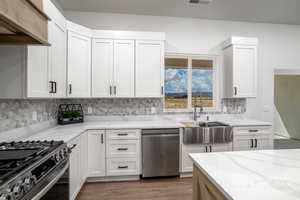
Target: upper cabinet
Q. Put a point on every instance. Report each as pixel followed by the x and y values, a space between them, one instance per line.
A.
pixel 122 62
pixel 123 68
pixel 149 68
pixel 36 71
pixel 23 22
pixel 79 61
pixel 46 66
pixel 240 67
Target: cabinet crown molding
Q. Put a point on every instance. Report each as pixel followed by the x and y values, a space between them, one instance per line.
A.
pixel 129 35
pixel 235 40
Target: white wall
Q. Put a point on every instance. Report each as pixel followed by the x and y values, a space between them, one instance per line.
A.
pixel 279 44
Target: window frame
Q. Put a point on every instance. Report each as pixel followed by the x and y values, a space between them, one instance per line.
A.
pixel 216 81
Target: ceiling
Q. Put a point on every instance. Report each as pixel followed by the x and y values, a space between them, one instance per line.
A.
pixel 267 11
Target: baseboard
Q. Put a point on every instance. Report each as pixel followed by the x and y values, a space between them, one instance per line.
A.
pixel 186 174
pixel 113 179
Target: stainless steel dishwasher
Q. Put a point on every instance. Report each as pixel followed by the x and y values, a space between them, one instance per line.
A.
pixel 160 152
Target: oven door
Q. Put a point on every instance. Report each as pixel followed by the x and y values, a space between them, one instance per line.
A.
pixel 61 190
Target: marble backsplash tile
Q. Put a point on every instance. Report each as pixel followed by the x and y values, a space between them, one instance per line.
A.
pixel 23 113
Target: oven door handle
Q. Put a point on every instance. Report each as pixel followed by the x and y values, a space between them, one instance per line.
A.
pixel 51 183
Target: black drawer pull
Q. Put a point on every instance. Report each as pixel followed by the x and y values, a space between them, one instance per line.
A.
pixel 122 134
pixel 122 149
pixel 123 167
pixel 255 143
pixel 253 131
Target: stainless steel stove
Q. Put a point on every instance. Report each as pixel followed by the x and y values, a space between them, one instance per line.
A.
pixel 28 170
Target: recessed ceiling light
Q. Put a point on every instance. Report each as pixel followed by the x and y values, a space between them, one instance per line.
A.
pixel 200 1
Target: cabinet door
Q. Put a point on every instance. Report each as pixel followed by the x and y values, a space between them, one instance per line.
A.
pixel 186 161
pixel 37 72
pixel 124 68
pixel 264 142
pixel 102 68
pixel 57 61
pixel 244 70
pixel 149 62
pixel 84 157
pixel 221 147
pixel 242 142
pixel 96 154
pixel 75 165
pixel 79 65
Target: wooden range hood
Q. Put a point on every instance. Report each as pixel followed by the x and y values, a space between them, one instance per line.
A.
pixel 23 22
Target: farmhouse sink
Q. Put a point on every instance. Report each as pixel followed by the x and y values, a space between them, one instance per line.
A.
pixel 208 133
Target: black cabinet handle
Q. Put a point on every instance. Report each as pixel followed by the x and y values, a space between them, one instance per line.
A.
pixel 122 149
pixel 206 150
pixel 110 90
pixel 123 167
pixel 55 87
pixel 255 143
pixel 51 87
pixel 252 144
pixel 115 90
pixel 122 134
pixel 162 90
pixel 235 90
pixel 210 148
pixel 70 88
pixel 102 139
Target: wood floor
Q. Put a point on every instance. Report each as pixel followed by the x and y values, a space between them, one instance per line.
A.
pixel 153 189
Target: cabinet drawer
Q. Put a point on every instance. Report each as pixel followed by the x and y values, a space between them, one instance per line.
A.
pixel 266 130
pixel 122 166
pixel 120 148
pixel 123 134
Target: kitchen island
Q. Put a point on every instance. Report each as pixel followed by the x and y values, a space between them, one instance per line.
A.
pixel 247 175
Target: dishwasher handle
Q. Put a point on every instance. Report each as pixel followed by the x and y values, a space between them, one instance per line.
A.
pixel 160 131
pixel 161 135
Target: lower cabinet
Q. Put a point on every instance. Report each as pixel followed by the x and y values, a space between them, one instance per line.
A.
pixel 123 152
pixel 77 165
pixel 252 138
pixel 186 161
pixel 96 153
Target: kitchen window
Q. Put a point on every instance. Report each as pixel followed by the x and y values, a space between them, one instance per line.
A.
pixel 191 80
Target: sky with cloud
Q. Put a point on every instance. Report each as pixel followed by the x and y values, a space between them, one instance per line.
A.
pixel 176 80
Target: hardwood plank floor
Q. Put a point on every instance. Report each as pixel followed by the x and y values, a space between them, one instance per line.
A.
pixel 149 189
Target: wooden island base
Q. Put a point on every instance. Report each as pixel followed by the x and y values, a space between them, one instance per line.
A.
pixel 204 189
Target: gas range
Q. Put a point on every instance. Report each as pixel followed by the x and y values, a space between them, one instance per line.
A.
pixel 27 168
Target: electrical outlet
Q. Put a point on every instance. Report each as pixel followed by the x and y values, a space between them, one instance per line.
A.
pixel 34 116
pixel 90 110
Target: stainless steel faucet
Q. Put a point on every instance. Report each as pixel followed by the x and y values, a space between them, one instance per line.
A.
pixel 195 112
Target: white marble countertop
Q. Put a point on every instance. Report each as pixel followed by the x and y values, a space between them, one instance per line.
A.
pixel 69 132
pixel 260 175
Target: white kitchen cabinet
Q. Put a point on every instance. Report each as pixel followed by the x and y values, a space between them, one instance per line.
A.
pixel 123 151
pixel 124 54
pixel 36 71
pixel 96 153
pixel 186 161
pixel 79 61
pixel 252 138
pixel 240 67
pixel 149 68
pixel 57 58
pixel 75 167
pixel 102 67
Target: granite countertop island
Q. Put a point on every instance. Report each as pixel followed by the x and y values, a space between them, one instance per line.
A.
pixel 249 175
